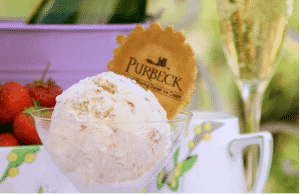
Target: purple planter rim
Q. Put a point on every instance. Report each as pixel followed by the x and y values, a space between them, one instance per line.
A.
pixel 5 27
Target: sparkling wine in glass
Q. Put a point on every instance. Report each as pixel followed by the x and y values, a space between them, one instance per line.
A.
pixel 252 34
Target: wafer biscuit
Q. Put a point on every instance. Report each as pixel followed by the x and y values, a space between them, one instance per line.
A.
pixel 159 60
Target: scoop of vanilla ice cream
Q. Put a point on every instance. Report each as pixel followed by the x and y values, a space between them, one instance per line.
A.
pixel 101 130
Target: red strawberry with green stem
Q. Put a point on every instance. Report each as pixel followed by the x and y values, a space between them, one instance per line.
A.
pixel 24 128
pixel 44 92
pixel 13 99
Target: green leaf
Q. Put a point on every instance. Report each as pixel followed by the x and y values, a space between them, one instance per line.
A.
pixel 21 152
pixel 89 12
pixel 161 179
pixel 41 189
pixel 55 12
pixel 133 11
pixel 30 109
pixel 188 164
pixel 175 187
pixel 176 156
pixel 96 12
pixel 11 165
pixel 34 18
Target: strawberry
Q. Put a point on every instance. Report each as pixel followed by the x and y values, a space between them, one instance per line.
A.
pixel 44 92
pixel 24 128
pixel 8 139
pixel 13 99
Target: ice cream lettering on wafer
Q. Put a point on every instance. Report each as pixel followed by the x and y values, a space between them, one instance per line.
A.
pixel 159 60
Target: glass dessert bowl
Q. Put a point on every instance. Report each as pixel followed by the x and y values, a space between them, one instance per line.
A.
pixel 110 156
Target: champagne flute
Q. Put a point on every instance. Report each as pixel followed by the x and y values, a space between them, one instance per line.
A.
pixel 252 34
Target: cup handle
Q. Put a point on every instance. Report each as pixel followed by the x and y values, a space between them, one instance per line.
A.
pixel 265 142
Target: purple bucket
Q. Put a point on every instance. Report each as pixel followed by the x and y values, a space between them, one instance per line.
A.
pixel 74 51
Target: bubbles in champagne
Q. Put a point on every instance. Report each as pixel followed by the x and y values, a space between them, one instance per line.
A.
pixel 252 32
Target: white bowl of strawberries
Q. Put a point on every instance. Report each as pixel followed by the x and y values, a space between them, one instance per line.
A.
pixel 17 101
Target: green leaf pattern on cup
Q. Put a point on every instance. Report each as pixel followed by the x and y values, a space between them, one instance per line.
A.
pixel 174 184
pixel 16 157
pixel 161 179
pixel 188 164
pixel 203 132
pixel 176 156
pixel 171 177
pixel 41 190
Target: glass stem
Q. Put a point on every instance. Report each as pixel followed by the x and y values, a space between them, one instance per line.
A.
pixel 252 95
